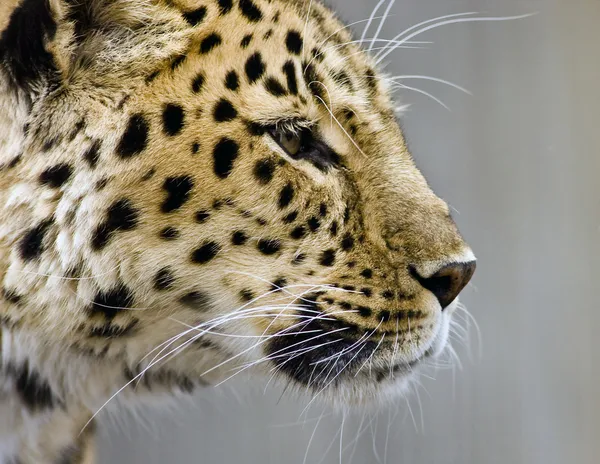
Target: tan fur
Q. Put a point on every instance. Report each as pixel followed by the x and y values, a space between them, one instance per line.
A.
pixel 395 223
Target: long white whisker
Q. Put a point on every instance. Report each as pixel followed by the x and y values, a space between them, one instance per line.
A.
pixel 382 22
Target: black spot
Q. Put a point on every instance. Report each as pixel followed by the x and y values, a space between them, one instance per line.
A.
pixel 195 147
pixel 294 42
pixel 366 273
pixel 333 230
pixel 327 257
pixel 173 119
pixel 225 6
pixel 56 175
pixel 201 216
pixel 135 137
pixel 224 155
pixel 347 242
pixel 298 233
pixel 264 170
pixel 246 295
pixel 289 69
pixel 23 49
pixel 246 41
pixel 121 216
pixel 11 296
pixel 345 305
pixel 13 162
pixel 290 217
pixel 151 77
pixel 205 253
pixel 314 81
pixel 314 224
pixel 195 17
pixel 31 245
pixel 232 81
pixel 217 204
pixel 318 55
pixel 366 291
pixel 299 259
pixel 224 111
pixel 198 83
pixel 286 196
pixel 112 331
pixel 364 311
pixel 250 10
pixel 346 214
pixel 239 238
pixel 195 300
pixel 276 17
pixel 269 246
pixel 210 42
pixel 169 233
pixel 76 130
pixel 342 78
pixel 387 294
pixel 33 391
pixel 384 316
pixel 92 154
pixel 279 284
pixel 178 192
pixel 255 67
pixel 177 62
pixel 164 279
pixel 268 34
pixel 110 302
pixel 274 87
pixel 323 209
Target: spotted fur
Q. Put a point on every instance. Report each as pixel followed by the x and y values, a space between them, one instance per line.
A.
pixel 143 191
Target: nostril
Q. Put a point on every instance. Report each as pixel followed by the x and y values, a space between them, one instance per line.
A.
pixel 448 281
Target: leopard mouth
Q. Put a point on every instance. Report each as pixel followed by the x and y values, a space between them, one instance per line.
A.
pixel 318 357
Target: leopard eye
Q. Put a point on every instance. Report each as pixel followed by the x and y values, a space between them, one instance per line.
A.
pixel 291 143
pixel 305 144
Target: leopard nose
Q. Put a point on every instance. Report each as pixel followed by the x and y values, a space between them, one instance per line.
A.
pixel 447 282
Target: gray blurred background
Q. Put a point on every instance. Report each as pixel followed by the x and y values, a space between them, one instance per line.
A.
pixel 520 162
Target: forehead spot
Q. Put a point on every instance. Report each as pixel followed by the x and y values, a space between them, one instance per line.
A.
pixel 209 43
pixel 32 244
pixel 164 279
pixel 294 42
pixel 195 17
pixel 224 154
pixel 255 67
pixel 169 233
pixel 178 192
pixel 224 111
pixel 55 176
pixel 201 216
pixel 135 138
pixel 232 81
pixel 250 10
pixel 274 87
pixel 239 238
pixel 121 216
pixel 269 246
pixel 264 170
pixel 289 69
pixel 198 83
pixel 286 195
pixel 205 253
pixel 92 154
pixel 225 6
pixel 327 258
pixel 246 41
pixel 173 119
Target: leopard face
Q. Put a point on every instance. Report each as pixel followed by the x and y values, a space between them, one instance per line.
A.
pixel 225 180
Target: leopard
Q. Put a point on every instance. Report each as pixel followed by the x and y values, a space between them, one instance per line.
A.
pixel 192 189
